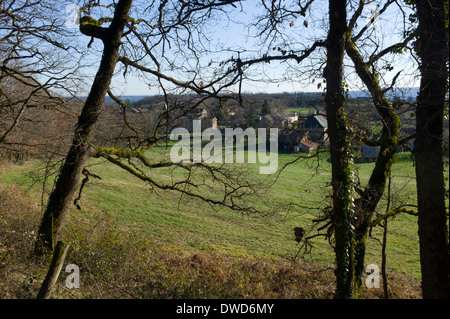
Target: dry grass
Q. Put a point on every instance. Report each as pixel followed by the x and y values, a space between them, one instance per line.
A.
pixel 116 262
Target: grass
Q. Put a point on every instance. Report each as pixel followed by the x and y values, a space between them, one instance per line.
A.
pixel 119 262
pixel 192 224
pixel 177 246
pixel 301 111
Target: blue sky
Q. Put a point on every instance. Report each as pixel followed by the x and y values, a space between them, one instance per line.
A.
pixel 279 77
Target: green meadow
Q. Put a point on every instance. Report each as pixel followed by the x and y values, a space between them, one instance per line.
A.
pixel 295 196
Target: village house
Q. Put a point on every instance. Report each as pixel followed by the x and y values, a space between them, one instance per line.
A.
pixel 272 120
pixel 289 140
pixel 306 146
pixel 293 117
pixel 230 118
pixel 199 113
pixel 307 137
pixel 370 152
pixel 316 127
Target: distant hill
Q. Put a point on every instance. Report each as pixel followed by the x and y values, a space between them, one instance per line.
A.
pixel 130 98
pixel 406 93
pixel 402 92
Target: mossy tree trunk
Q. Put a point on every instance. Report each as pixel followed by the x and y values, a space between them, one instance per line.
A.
pixel 59 255
pixel 433 233
pixel 69 175
pixel 340 151
pixel 388 142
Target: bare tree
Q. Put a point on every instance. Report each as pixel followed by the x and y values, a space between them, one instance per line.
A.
pixel 340 152
pixel 142 45
pixel 350 216
pixel 37 67
pixel 67 180
pixel 169 42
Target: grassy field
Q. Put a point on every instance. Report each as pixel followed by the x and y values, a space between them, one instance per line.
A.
pixel 172 219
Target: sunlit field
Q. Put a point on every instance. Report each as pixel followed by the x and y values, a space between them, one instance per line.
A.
pixel 296 194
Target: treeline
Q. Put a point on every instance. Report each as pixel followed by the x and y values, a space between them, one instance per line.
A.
pixel 278 101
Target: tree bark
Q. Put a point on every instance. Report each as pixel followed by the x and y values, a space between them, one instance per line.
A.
pixel 59 255
pixel 340 151
pixel 69 175
pixel 432 48
pixel 388 142
pixel 384 244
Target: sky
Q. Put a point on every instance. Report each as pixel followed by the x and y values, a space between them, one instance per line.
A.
pixel 301 31
pixel 235 36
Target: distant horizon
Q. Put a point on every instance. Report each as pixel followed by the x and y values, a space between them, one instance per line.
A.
pixel 355 93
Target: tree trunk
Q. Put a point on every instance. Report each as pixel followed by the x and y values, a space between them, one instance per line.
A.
pixel 388 143
pixel 59 255
pixel 69 175
pixel 384 244
pixel 433 233
pixel 339 151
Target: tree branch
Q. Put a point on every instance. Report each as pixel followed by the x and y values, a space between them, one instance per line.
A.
pixel 92 28
pixel 401 209
pixel 299 58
